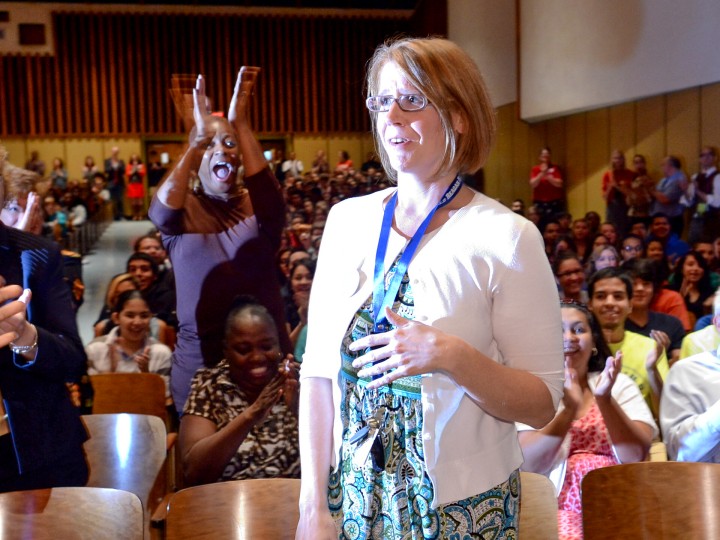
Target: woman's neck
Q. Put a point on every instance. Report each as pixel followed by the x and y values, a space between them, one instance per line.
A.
pixel 416 199
pixel 130 346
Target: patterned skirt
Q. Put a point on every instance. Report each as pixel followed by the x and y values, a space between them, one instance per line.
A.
pixel 393 501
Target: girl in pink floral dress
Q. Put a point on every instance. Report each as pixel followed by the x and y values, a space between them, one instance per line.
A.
pixel 602 420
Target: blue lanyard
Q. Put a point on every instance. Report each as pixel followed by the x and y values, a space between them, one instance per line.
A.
pixel 384 298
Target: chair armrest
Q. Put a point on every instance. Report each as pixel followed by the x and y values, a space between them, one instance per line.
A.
pixel 157 519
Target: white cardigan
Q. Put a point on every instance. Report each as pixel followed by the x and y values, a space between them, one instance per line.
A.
pixel 484 277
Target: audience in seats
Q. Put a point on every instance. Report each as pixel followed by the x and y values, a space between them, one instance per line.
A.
pixel 665 299
pixel 602 420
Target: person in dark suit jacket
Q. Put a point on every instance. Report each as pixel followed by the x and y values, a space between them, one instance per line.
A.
pixel 41 435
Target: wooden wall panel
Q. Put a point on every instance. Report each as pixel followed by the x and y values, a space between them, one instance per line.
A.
pixel 575 163
pixel 678 123
pixel 112 71
pixel 597 154
pixel 683 126
pixel 709 115
pixel 622 127
pixel 650 131
pixel 499 172
pixel 523 156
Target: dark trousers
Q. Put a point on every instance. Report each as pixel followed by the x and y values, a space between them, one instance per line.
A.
pixel 117 196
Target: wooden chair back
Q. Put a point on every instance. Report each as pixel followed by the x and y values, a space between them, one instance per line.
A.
pixel 125 451
pixel 137 393
pixel 71 513
pixel 538 507
pixel 652 500
pixel 263 508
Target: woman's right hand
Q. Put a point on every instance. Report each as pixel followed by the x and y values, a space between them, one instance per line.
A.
pixel 317 525
pixel 200 113
pixel 268 397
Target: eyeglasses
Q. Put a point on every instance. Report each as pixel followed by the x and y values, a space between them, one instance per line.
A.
pixel 636 249
pixel 407 102
pixel 571 273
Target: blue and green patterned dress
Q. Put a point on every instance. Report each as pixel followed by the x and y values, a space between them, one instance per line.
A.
pixel 395 502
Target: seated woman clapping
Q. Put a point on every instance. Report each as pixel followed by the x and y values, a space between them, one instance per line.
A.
pixel 240 420
pixel 128 347
pixel 119 284
pixel 603 419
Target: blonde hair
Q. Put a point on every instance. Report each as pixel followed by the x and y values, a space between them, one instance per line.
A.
pixel 451 81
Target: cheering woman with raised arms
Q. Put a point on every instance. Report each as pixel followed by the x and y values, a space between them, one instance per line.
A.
pixel 431 331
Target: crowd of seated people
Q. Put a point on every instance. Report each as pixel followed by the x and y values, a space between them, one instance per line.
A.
pixel 642 299
pixel 651 304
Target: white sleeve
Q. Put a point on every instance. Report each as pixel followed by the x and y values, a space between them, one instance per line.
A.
pixel 690 419
pixel 627 394
pixel 98 357
pixel 713 198
pixel 529 333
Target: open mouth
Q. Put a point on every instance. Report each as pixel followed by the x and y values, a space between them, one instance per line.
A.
pixel 398 140
pixel 223 170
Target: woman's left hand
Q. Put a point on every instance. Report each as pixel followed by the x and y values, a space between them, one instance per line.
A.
pixel 290 370
pixel 613 366
pixel 412 348
pixel 13 323
pixel 143 360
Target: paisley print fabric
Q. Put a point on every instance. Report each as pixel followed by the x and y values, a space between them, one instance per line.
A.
pixel 395 502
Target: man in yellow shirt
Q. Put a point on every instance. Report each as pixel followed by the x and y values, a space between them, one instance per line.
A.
pixel 643 359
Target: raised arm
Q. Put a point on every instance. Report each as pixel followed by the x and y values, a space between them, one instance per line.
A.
pixel 174 189
pixel 630 438
pixel 540 447
pixel 253 158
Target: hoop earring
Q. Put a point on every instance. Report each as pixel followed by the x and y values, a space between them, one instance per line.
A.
pixel 594 351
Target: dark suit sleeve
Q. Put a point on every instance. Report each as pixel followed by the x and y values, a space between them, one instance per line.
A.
pixel 60 353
